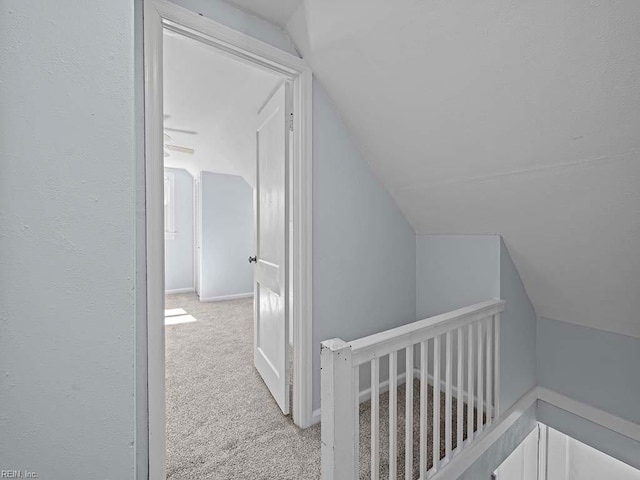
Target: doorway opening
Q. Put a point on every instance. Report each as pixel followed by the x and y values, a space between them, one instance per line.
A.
pixel 228 298
pixel 228 222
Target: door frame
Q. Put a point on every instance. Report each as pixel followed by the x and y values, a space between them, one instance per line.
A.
pixel 158 15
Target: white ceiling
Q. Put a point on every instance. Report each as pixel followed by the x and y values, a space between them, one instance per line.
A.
pixel 518 118
pixel 276 11
pixel 217 97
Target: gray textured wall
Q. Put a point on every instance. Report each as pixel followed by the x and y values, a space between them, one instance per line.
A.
pixel 517 335
pixel 364 250
pixel 455 271
pixel 227 235
pixel 71 195
pixel 68 149
pixel 593 366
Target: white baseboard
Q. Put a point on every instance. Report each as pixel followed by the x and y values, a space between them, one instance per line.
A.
pixel 179 290
pixel 384 387
pixel 454 389
pixel 226 297
pixel 364 395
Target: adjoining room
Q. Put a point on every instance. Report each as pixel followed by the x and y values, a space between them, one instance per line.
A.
pixel 216 115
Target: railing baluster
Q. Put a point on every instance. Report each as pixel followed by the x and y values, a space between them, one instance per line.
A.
pixel 476 330
pixel 408 434
pixel 496 365
pixel 424 421
pixel 436 402
pixel 480 402
pixel 448 413
pixel 375 415
pixel 393 401
pixel 470 380
pixel 489 337
pixel 459 397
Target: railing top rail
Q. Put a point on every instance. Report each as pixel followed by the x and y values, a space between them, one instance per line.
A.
pixel 383 343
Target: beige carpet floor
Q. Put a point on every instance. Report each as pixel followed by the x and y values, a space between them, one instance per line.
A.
pixel 222 422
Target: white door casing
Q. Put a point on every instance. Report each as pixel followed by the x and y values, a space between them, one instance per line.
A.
pixel 271 274
pixel 150 373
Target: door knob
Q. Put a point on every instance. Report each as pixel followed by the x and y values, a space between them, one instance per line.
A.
pixel 253 259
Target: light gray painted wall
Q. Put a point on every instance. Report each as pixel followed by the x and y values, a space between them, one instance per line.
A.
pixel 517 335
pixel 178 252
pixel 364 257
pixel 244 22
pixel 593 366
pixel 502 448
pixel 603 439
pixel 68 145
pixel 455 271
pixel 227 235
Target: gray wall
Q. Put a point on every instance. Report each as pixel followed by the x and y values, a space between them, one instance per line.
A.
pixel 455 271
pixel 68 148
pixel 178 251
pixel 517 335
pixel 227 241
pixel 364 251
pixel 593 366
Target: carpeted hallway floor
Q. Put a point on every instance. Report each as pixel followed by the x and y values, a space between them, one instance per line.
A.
pixel 222 422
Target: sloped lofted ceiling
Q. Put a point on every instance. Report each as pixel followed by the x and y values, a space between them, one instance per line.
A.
pixel 511 117
pixel 218 97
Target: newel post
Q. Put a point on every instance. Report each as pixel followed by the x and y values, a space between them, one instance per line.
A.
pixel 338 408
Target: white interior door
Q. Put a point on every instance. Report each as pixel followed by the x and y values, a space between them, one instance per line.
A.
pixel 271 278
pixel 522 464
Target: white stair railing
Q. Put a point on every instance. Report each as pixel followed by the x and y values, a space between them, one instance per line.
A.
pixel 446 345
